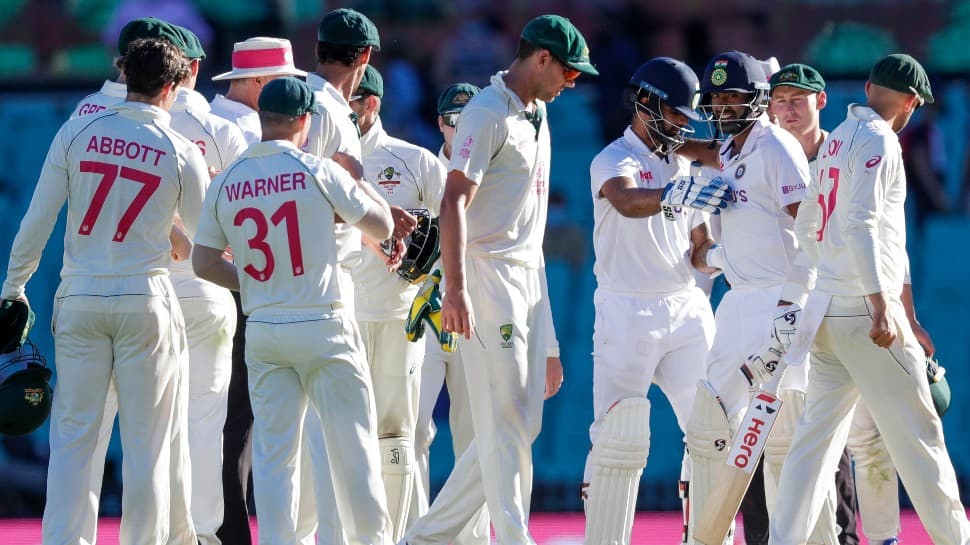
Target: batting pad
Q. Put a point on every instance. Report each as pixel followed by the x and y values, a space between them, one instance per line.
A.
pixel 618 458
pixel 708 440
pixel 398 468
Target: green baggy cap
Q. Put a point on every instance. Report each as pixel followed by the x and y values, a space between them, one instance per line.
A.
pixel 562 39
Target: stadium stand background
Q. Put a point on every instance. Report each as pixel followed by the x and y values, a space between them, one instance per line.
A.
pixel 54 52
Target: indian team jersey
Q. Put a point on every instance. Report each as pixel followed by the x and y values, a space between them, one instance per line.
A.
pixel 408 176
pixel 111 93
pixel 124 172
pixel 275 206
pixel 860 189
pixel 640 255
pixel 220 142
pixel 330 132
pixel 504 148
pixel 240 115
pixel 768 174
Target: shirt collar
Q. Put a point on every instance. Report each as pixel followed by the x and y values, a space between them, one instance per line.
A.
pixel 233 106
pixel 318 83
pixel 143 110
pixel 761 125
pixel 190 99
pixel 498 81
pixel 635 143
pixel 374 138
pixel 862 112
pixel 269 147
pixel 114 89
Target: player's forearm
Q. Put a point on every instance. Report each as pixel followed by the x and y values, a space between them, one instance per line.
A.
pixel 377 222
pixel 637 202
pixel 908 304
pixel 552 342
pixel 705 151
pixel 452 223
pixel 208 265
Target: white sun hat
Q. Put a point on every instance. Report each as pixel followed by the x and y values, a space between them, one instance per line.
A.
pixel 261 57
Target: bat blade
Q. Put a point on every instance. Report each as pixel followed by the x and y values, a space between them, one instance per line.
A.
pixel 735 476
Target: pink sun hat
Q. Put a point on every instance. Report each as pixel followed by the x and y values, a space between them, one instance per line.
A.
pixel 261 57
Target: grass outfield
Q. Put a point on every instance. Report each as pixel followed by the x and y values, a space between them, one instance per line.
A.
pixel 659 527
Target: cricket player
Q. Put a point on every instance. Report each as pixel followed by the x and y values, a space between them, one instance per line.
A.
pixel 767 171
pixel 124 173
pixel 255 62
pixel 277 207
pixel 492 223
pixel 797 98
pixel 113 93
pixel 854 322
pixel 410 177
pixel 209 311
pixel 440 367
pixel 646 331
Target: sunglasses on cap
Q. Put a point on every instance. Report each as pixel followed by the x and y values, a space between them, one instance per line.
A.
pixel 450 120
pixel 571 74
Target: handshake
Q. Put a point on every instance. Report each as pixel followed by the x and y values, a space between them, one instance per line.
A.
pixel 711 196
pixel 761 366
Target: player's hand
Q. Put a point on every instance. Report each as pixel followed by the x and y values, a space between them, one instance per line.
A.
pixel 181 244
pixel 786 323
pixel 213 172
pixel 883 331
pixel 456 312
pixel 393 253
pixel 711 196
pixel 404 222
pixel 554 378
pixel 923 337
pixel 761 366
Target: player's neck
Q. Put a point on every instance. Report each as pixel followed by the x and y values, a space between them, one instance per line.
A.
pixel 644 135
pixel 517 80
pixel 237 94
pixel 811 141
pixel 340 76
pixel 446 150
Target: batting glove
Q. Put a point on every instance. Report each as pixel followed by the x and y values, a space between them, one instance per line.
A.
pixel 710 197
pixel 760 367
pixel 16 319
pixel 786 323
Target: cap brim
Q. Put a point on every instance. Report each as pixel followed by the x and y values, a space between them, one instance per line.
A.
pixel 798 85
pixel 585 68
pixel 258 72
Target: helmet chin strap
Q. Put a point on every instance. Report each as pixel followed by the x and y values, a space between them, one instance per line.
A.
pixel 663 143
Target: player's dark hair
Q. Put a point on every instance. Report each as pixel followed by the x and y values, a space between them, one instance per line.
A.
pixel 346 55
pixel 150 64
pixel 273 119
pixel 526 48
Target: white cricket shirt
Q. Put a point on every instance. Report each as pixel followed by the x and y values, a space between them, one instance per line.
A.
pixel 860 226
pixel 640 255
pixel 111 93
pixel 220 142
pixel 332 131
pixel 757 233
pixel 497 147
pixel 240 115
pixel 124 173
pixel 275 206
pixel 408 176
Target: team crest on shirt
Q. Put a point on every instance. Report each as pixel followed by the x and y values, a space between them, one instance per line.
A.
pixel 740 171
pixel 719 74
pixel 34 396
pixel 388 178
pixel 505 331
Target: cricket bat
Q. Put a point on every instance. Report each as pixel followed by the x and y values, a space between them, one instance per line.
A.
pixel 746 450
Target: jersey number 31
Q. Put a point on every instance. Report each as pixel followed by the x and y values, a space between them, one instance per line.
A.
pixel 286 213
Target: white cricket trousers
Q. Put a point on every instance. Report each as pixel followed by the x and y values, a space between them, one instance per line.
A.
pixel 316 359
pixel 444 368
pixel 847 365
pixel 505 368
pixel 138 340
pixel 209 327
pixel 649 339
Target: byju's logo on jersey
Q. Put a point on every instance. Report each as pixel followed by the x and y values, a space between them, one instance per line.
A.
pixel 505 331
